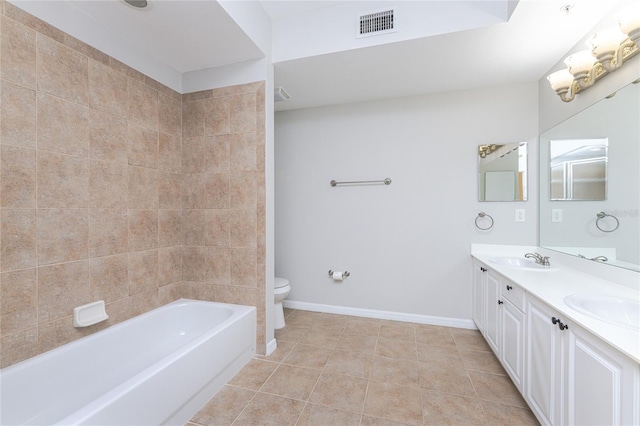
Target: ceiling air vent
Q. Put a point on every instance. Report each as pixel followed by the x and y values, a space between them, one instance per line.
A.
pixel 376 23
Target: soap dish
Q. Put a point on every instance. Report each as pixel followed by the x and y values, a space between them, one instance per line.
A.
pixel 89 314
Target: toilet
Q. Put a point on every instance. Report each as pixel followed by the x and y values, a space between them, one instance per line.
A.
pixel 281 289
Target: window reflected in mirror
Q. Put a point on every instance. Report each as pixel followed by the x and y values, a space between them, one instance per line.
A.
pixel 502 172
pixel 578 169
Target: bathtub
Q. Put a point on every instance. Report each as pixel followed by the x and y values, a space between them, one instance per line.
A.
pixel 158 368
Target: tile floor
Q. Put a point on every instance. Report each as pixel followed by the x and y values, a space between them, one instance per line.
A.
pixel 335 370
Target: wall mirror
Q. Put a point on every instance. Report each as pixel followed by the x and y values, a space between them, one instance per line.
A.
pixel 578 169
pixel 605 223
pixel 502 172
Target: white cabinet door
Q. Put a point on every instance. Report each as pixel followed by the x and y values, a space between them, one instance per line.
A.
pixel 512 351
pixel 479 294
pixel 599 383
pixel 543 387
pixel 493 304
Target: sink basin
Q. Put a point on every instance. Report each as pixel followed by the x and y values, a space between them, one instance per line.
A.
pixel 519 263
pixel 615 310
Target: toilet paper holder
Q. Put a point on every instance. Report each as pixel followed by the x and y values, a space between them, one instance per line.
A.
pixel 344 274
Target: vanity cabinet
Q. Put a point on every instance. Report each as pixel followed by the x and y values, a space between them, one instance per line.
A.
pixel 573 377
pixel 498 312
pixel 512 338
pixel 478 294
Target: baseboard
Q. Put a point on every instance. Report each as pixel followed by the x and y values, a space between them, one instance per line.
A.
pixel 271 346
pixel 387 315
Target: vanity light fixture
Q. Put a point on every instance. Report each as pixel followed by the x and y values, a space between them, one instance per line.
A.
pixel 484 150
pixel 608 50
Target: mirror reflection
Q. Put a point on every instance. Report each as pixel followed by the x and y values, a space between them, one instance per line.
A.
pixel 578 169
pixel 502 172
pixel 605 226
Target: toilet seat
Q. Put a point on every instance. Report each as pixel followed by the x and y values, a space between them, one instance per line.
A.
pixel 280 282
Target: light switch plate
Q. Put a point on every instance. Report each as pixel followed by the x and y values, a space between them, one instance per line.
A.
pixel 556 215
pixel 519 215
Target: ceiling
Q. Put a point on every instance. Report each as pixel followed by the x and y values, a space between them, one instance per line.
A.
pixel 174 37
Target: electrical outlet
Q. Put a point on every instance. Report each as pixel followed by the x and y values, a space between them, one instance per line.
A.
pixel 519 215
pixel 556 215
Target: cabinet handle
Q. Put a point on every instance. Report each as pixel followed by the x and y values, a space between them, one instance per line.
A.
pixel 561 325
pixel 500 302
pixel 509 287
pixel 483 269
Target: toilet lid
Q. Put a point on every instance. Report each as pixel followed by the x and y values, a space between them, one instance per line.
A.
pixel 280 282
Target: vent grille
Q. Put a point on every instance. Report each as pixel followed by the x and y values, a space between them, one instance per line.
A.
pixel 376 23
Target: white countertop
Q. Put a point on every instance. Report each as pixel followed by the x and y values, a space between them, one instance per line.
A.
pixel 552 286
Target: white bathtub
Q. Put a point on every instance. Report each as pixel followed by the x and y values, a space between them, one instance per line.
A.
pixel 158 368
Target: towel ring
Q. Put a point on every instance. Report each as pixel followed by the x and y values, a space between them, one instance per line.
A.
pixel 602 215
pixel 481 215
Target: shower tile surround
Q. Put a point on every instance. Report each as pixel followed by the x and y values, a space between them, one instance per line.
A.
pixel 339 370
pixel 114 187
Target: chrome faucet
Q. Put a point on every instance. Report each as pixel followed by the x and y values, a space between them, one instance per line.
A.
pixel 597 258
pixel 540 260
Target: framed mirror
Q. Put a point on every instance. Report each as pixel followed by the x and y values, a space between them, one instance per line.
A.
pixel 604 142
pixel 502 172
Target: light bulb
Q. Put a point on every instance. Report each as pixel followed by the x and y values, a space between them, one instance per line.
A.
pixel 560 80
pixel 580 63
pixel 606 42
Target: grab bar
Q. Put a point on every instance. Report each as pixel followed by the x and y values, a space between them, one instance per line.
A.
pixel 387 181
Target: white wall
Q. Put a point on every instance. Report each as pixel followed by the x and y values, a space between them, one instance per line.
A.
pixel 406 245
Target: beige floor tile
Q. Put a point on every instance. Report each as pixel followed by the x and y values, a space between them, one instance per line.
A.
pixel 350 363
pixel 291 333
pixel 280 353
pixel 393 348
pixel 434 335
pixel 376 421
pixel 357 343
pixel 450 364
pixel 308 356
pixel 436 376
pixel 496 388
pixel 499 414
pixel 332 320
pixel 326 336
pixel 223 408
pixel 304 319
pixel 354 370
pixel 482 361
pixel 394 402
pixel 340 391
pixel 318 415
pixel 397 371
pixel 397 330
pixel 291 382
pixel 446 409
pixel 270 410
pixel 363 326
pixel 428 352
pixel 469 339
pixel 254 374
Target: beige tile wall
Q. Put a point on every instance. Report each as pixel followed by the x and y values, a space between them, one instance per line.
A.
pixel 114 187
pixel 223 197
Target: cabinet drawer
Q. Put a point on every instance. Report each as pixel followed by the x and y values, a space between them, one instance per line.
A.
pixel 513 294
